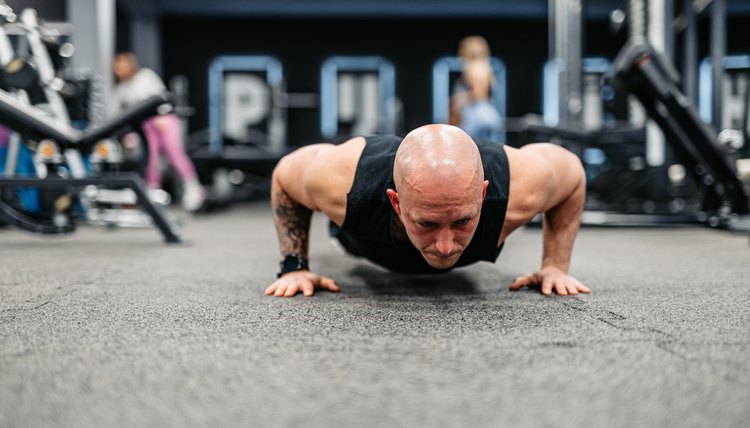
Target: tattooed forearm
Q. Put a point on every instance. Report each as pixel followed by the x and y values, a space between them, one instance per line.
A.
pixel 292 221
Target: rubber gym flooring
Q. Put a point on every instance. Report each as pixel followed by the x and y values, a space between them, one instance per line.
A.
pixel 113 328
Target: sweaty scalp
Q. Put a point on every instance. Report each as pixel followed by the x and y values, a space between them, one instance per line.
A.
pixel 437 159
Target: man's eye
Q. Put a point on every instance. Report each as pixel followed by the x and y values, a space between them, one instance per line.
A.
pixel 462 222
pixel 427 224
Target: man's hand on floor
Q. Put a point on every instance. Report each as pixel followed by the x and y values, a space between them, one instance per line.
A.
pixel 549 279
pixel 303 281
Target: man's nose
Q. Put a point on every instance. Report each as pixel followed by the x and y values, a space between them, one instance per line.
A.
pixel 444 242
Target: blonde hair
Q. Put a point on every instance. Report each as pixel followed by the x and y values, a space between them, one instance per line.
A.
pixel 473 47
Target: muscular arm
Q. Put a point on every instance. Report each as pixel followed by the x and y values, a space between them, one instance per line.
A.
pixel 561 220
pixel 561 191
pixel 292 208
pixel 292 221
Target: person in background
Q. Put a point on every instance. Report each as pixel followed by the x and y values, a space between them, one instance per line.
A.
pixel 163 132
pixel 470 48
pixel 479 117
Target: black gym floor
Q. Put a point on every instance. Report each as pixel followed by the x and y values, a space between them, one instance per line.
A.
pixel 113 328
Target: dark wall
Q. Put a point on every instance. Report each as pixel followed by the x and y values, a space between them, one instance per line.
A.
pixel 122 28
pixel 302 44
pixel 189 44
pixel 737 35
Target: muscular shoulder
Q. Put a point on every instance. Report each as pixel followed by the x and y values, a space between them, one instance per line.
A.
pixel 320 175
pixel 538 172
pixel 332 170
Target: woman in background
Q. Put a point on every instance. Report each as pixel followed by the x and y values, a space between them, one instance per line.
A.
pixel 479 117
pixel 163 132
pixel 470 48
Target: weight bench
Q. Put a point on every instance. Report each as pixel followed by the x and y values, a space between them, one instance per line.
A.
pixel 34 125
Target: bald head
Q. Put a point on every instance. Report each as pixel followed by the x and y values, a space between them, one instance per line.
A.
pixel 439 191
pixel 438 159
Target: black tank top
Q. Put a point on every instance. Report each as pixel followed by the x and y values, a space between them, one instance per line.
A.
pixel 367 229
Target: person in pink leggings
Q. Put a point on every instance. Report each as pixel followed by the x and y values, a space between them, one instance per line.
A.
pixel 163 132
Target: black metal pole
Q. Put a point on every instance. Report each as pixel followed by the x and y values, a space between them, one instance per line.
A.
pixel 668 29
pixel 690 47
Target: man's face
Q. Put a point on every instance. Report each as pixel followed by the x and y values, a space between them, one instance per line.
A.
pixel 440 227
pixel 124 68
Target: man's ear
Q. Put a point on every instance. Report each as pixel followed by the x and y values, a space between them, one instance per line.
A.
pixel 485 185
pixel 393 197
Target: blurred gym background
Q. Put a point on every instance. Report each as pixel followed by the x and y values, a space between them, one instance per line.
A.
pixel 256 79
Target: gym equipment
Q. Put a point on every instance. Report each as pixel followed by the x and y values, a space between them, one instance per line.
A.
pixel 244 96
pixel 597 95
pixel 248 108
pixel 19 73
pixel 49 138
pixel 358 96
pixel 735 88
pixel 246 137
pixel 179 86
pixel 20 77
pixel 637 165
pixel 7 54
pixel 39 46
pixel 565 48
pixel 32 73
pixel 55 175
pixel 651 78
pixel 446 69
pixel 584 113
